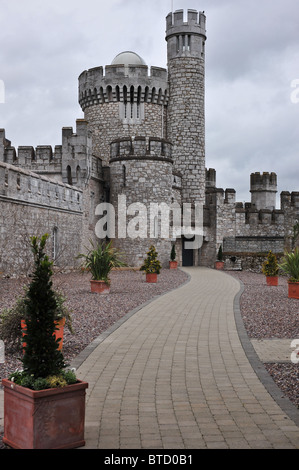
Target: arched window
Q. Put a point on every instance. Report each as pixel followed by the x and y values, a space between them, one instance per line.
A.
pixel 55 243
pixel 124 176
pixel 132 101
pixel 160 96
pixel 117 92
pixel 146 94
pixel 138 101
pixel 125 93
pixel 78 175
pixel 109 93
pixel 153 94
pixel 156 227
pixel 102 98
pixel 69 175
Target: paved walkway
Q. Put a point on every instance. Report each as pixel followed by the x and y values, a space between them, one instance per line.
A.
pixel 181 373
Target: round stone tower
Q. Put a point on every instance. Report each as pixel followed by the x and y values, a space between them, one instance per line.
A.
pixel 123 100
pixel 186 108
pixel 141 194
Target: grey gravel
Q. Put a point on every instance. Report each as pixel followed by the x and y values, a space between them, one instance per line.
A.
pixel 268 313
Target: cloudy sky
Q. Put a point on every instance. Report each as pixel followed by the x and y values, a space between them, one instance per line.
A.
pixel 252 61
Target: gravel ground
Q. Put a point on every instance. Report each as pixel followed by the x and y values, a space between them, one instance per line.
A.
pixel 267 313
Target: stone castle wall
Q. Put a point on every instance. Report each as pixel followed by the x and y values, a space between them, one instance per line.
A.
pixel 31 204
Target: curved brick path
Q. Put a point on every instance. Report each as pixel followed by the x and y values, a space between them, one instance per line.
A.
pixel 175 375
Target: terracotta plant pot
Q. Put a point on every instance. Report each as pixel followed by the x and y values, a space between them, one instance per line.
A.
pixel 219 265
pixel 58 332
pixel 173 264
pixel 99 287
pixel 272 280
pixel 45 419
pixel 151 277
pixel 293 290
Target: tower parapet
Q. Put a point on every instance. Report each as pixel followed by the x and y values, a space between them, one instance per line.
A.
pixel 124 84
pixel 185 38
pixel 128 149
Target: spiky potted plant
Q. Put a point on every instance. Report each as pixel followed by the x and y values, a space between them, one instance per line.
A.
pixel 151 265
pixel 290 266
pixel 270 269
pixel 44 404
pixel 173 264
pixel 99 261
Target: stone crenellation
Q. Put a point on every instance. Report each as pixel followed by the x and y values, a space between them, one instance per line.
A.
pixel 142 139
pixel 123 84
pixel 155 148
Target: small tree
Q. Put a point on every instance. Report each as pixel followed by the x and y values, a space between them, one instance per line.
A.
pixel 173 253
pixel 270 266
pixel 220 254
pixel 42 357
pixel 151 264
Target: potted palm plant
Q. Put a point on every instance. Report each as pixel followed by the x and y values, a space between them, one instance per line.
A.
pixel 270 269
pixel 290 266
pixel 151 265
pixel 219 264
pixel 173 264
pixel 99 261
pixel 44 404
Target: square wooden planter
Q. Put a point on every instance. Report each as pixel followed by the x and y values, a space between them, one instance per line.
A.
pixel 45 419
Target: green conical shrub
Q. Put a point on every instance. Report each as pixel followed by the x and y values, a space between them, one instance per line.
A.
pixel 42 357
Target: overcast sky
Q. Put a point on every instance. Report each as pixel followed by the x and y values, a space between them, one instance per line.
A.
pixel 252 59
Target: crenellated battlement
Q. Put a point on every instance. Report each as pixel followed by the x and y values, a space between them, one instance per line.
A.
pixel 125 84
pixel 17 184
pixel 263 188
pixel 29 157
pixel 263 181
pixel 289 200
pixel 70 162
pixel 140 148
pixel 186 39
pixel 195 24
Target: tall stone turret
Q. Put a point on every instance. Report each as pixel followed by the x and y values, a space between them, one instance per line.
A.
pixel 263 188
pixel 123 100
pixel 186 108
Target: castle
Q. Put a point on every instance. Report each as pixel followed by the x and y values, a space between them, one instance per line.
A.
pixel 142 137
